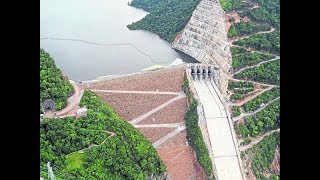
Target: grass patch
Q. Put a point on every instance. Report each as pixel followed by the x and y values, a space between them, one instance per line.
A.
pixel 75 161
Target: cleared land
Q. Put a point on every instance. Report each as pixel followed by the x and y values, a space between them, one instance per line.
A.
pixel 130 106
pixel 174 113
pixel 154 134
pixel 140 94
pixel 161 80
pixel 175 152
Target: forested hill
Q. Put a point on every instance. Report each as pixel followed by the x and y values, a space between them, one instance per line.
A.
pixel 110 148
pixel 255 35
pixel 52 84
pixel 166 18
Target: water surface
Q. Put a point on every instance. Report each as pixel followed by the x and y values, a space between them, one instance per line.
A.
pixel 89 39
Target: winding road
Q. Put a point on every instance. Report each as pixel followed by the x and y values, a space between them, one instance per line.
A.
pixel 257 140
pixel 72 105
pixel 250 98
pixel 256 65
pixel 254 112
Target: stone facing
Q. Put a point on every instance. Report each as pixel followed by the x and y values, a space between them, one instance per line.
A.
pixel 205 39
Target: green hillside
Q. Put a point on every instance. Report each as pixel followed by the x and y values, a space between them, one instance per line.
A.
pixel 122 152
pixel 52 83
pixel 166 18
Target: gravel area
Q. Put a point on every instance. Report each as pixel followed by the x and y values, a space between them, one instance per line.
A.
pixel 163 80
pixel 130 106
pixel 154 134
pixel 173 113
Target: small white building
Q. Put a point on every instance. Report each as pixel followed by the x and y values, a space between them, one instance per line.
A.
pixel 82 111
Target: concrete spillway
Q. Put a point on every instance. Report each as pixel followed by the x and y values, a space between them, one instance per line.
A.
pixel 223 144
pixel 205 38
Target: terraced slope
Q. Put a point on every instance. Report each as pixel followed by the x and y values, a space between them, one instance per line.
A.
pixel 205 38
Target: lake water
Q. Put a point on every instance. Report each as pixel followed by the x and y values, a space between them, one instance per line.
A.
pixel 89 38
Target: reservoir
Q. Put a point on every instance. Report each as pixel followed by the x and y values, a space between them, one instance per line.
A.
pixel 89 39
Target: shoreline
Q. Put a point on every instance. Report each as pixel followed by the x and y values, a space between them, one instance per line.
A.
pixel 177 63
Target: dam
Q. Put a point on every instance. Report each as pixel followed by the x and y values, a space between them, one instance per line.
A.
pixel 205 39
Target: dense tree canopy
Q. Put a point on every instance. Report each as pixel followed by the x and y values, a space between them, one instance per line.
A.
pixel 231 5
pixel 195 138
pixel 235 111
pixel 268 12
pixel 262 155
pixel 166 18
pixel 232 32
pixel 239 84
pixel 266 73
pixel 194 135
pixel 126 155
pixel 257 16
pixel 249 59
pixel 265 120
pixel 264 16
pixel 246 28
pixel 52 83
pixel 263 98
pixel 269 42
pixel 240 89
pixel 238 50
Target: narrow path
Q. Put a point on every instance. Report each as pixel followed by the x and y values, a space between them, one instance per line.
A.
pixel 137 92
pixel 143 116
pixel 257 140
pixel 94 145
pixel 253 66
pixel 244 80
pixel 251 97
pixel 173 125
pixel 247 36
pixel 254 112
pixel 168 136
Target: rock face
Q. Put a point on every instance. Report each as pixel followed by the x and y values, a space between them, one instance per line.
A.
pixel 205 39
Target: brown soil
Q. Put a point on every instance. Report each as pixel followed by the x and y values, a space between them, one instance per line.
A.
pixel 154 134
pixel 231 15
pixel 180 159
pixel 179 139
pixel 242 120
pixel 177 155
pixel 259 86
pixel 130 106
pixel 181 163
pixel 275 166
pixel 173 113
pixel 163 80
